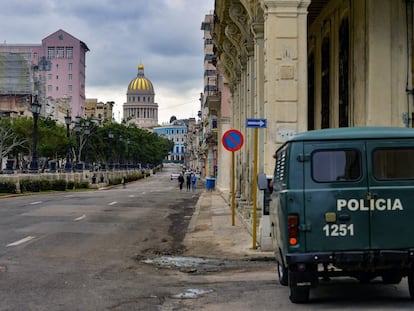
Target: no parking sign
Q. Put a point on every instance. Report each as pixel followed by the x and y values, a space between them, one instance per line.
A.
pixel 232 140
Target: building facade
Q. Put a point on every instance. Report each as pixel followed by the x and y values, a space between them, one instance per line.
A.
pixel 311 64
pixel 140 108
pixel 215 111
pixel 98 111
pixel 176 132
pixel 60 62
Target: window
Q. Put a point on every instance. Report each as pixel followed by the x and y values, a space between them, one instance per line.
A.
pixel 57 88
pixel 393 163
pixel 51 52
pixel 70 66
pixel 49 88
pixel 69 88
pixel 336 165
pixel 49 76
pixel 57 77
pixel 69 52
pixel 70 77
pixel 60 52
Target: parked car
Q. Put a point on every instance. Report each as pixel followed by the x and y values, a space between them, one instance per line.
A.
pixel 342 206
pixel 175 175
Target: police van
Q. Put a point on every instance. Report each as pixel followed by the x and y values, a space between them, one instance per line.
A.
pixel 343 205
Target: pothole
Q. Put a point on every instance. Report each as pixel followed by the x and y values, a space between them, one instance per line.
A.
pixel 192 293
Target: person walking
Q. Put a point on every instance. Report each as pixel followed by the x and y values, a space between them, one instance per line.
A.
pixel 181 181
pixel 188 182
pixel 194 182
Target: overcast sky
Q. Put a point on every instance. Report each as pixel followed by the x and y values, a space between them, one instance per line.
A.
pixel 164 35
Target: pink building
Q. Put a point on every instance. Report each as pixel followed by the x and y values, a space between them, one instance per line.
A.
pixel 61 68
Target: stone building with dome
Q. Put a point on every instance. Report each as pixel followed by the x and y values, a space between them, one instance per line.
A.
pixel 140 107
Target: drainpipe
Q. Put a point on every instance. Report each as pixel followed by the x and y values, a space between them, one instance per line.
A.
pixel 410 67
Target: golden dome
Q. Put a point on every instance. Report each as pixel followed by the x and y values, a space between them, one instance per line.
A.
pixel 141 83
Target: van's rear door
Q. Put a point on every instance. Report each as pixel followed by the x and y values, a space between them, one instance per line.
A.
pixel 391 185
pixel 335 189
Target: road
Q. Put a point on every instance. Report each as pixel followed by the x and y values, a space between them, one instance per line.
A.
pixel 121 249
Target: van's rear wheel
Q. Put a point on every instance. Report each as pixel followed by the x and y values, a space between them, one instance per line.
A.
pixel 391 277
pixel 411 282
pixel 283 274
pixel 299 294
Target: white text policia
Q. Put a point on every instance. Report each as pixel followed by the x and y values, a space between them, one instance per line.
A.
pixel 369 205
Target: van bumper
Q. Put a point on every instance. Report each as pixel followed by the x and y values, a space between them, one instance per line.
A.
pixel 379 257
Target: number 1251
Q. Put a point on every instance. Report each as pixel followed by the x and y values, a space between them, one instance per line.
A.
pixel 338 230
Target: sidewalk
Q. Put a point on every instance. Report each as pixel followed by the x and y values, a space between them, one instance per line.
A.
pixel 211 233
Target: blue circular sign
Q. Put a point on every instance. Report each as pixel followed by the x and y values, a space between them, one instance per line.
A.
pixel 232 140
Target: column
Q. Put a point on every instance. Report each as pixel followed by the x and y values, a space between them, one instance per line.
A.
pixel 285 63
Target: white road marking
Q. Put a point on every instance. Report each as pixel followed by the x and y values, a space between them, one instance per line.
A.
pixel 113 203
pixel 80 218
pixel 24 240
pixel 37 202
pixel 131 196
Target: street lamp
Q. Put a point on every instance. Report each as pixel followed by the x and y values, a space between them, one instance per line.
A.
pixel 87 133
pixel 77 149
pixel 128 142
pixel 121 147
pixel 111 136
pixel 68 164
pixel 34 168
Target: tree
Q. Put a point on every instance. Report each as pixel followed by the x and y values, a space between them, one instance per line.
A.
pixel 8 140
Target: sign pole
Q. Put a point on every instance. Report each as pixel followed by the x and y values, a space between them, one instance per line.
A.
pixel 232 190
pixel 256 135
pixel 256 124
pixel 232 140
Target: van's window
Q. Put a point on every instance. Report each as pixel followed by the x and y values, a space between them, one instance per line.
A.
pixel 394 163
pixel 336 165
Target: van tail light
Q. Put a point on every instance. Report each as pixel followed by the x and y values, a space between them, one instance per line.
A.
pixel 293 231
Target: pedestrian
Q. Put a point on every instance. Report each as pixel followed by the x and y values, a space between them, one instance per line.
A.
pixel 181 181
pixel 194 181
pixel 188 178
pixel 124 181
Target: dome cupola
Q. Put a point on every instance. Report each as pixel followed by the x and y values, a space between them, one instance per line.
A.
pixel 141 84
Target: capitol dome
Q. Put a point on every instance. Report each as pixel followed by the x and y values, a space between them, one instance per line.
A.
pixel 140 108
pixel 141 84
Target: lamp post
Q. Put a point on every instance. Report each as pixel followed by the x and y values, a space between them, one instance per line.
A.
pixel 121 160
pixel 68 164
pixel 128 142
pixel 77 132
pixel 87 133
pixel 111 136
pixel 34 168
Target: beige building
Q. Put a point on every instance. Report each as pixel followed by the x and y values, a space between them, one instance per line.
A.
pixel 304 65
pixel 99 111
pixel 140 108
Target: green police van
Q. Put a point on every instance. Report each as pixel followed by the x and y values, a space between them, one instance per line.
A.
pixel 343 205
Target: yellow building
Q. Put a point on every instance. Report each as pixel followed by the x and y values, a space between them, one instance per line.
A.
pixel 99 111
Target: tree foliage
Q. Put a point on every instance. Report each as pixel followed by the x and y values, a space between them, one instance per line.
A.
pixel 129 145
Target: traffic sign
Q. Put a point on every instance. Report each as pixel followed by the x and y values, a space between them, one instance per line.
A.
pixel 258 123
pixel 232 140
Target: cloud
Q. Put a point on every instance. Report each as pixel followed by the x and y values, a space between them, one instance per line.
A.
pixel 164 35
